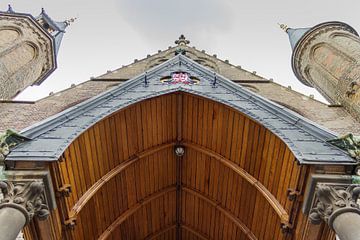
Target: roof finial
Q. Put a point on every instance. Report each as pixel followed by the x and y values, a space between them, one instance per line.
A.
pixel 283 27
pixel 10 9
pixel 42 10
pixel 182 40
pixel 69 21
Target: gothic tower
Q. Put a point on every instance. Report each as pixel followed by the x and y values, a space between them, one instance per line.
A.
pixel 28 50
pixel 326 57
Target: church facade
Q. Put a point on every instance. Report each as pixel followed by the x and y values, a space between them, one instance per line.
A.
pixel 183 145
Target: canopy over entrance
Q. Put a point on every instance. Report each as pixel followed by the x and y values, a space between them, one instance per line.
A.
pixel 177 153
pixel 305 139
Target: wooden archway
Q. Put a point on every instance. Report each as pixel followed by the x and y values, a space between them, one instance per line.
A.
pixel 127 183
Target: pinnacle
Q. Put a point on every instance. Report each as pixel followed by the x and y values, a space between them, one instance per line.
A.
pixel 182 40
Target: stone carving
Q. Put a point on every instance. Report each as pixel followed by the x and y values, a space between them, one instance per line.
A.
pixel 44 42
pixel 333 201
pixel 349 143
pixel 9 140
pixel 17 71
pixel 180 51
pixel 27 197
pixel 353 88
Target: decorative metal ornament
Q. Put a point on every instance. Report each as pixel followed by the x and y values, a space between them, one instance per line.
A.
pixel 180 78
pixel 179 151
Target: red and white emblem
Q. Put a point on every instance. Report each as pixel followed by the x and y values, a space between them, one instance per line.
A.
pixel 180 77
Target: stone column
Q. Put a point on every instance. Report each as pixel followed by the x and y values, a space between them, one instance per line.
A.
pixel 11 220
pixel 22 201
pixel 338 207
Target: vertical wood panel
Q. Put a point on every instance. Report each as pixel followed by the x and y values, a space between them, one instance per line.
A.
pixel 126 134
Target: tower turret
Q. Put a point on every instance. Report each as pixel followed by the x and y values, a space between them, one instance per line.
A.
pixel 327 57
pixel 28 50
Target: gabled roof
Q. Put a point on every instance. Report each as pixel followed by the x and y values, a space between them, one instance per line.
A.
pixel 306 140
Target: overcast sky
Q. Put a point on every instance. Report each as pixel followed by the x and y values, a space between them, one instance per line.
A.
pixel 112 33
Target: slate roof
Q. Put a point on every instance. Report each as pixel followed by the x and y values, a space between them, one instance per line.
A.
pixel 295 34
pixel 305 139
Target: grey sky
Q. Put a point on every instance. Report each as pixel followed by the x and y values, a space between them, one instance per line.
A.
pixel 112 33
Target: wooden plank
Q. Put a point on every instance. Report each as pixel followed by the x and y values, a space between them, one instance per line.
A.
pixel 132 210
pixel 224 131
pixel 89 157
pixel 235 162
pixel 245 142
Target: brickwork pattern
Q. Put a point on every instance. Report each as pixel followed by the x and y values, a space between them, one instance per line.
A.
pixel 139 66
pixel 18 116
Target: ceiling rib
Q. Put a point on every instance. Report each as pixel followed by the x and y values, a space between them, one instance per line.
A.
pixel 106 234
pixel 274 203
pixel 227 213
pixel 195 232
pixel 179 103
pixel 87 196
pixel 183 226
pixel 161 231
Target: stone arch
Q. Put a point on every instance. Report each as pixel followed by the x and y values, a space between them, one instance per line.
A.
pixel 8 35
pixel 330 59
pixel 19 56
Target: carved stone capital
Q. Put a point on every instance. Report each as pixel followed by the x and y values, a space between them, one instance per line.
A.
pixel 25 196
pixel 331 201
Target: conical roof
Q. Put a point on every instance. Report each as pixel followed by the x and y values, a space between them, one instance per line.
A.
pixel 295 34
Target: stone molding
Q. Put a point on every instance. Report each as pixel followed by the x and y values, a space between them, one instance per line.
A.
pixel 307 41
pixel 25 196
pixel 333 200
pixel 43 40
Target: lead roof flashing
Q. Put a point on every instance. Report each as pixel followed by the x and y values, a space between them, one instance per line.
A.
pixel 304 138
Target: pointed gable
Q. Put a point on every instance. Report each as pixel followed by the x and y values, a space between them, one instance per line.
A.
pixel 212 62
pixel 180 74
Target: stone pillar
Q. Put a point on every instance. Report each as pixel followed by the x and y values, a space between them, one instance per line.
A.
pixel 326 57
pixel 338 207
pixel 11 222
pixel 21 203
